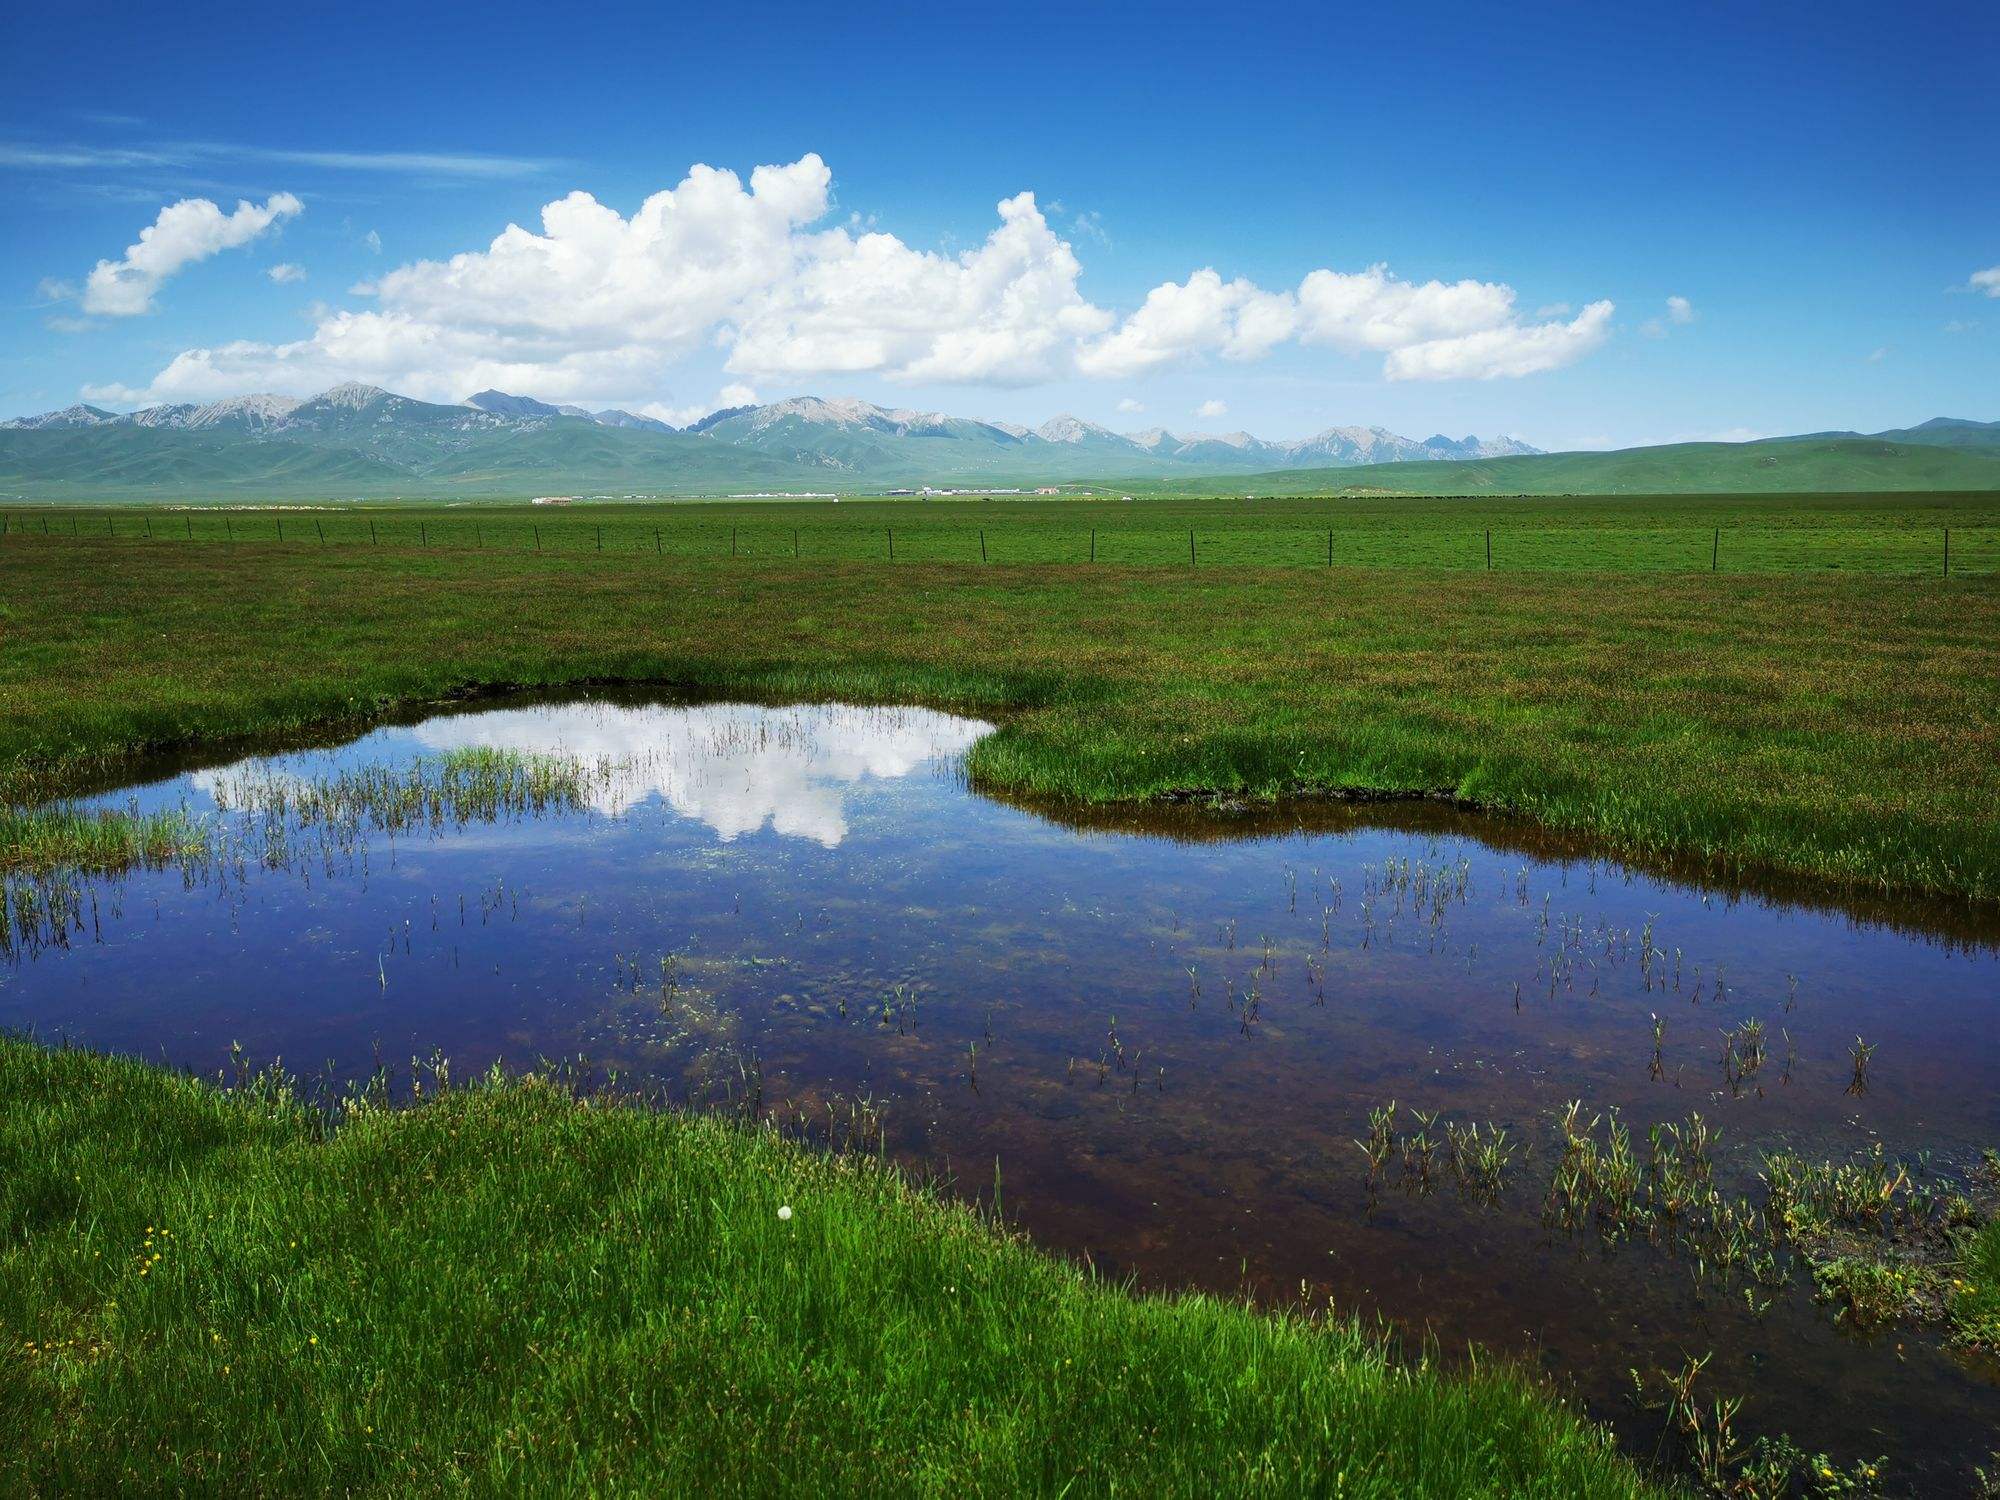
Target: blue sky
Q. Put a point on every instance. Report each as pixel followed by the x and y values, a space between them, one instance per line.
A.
pixel 1817 186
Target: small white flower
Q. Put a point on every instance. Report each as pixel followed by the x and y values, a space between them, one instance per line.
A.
pixel 785 1212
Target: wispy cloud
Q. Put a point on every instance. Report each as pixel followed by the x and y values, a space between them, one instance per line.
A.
pixel 1680 311
pixel 71 156
pixel 23 154
pixel 414 163
pixel 1090 225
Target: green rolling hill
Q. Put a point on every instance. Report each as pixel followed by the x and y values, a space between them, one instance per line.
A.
pixel 358 442
pixel 1798 466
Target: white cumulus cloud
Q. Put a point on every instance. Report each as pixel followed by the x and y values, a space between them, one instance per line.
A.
pixel 1987 281
pixel 1680 310
pixel 185 232
pixel 285 272
pixel 594 305
pixel 1008 312
pixel 1212 408
pixel 1510 350
pixel 1235 319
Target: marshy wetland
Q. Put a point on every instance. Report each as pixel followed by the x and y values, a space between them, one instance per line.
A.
pixel 1433 1066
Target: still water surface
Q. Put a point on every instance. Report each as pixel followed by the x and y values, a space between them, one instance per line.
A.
pixel 1168 1033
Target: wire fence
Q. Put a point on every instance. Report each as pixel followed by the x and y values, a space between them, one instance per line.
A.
pixel 1741 548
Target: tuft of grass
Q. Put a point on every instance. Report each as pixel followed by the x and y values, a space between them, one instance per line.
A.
pixel 1975 1290
pixel 1866 1292
pixel 64 837
pixel 512 1287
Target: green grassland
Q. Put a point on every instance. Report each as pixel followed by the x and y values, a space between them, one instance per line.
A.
pixel 513 1289
pixel 1897 533
pixel 1836 722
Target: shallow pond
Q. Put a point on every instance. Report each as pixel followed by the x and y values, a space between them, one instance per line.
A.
pixel 1167 1031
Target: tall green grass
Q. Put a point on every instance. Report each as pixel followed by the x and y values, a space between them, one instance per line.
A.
pixel 511 1288
pixel 1975 1291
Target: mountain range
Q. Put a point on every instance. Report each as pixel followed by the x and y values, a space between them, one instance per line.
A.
pixel 364 442
pixel 362 435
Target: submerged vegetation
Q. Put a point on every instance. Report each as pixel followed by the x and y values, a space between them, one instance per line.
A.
pixel 515 1286
pixel 1877 1241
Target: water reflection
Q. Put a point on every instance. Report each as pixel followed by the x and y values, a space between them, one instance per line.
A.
pixel 735 767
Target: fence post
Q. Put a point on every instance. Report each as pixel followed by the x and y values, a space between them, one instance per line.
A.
pixel 1190 546
pixel 320 529
pixel 1489 549
pixel 478 536
pixel 1715 551
pixel 795 544
pixel 423 533
pixel 228 529
pixel 1329 546
pixel 892 542
pixel 982 544
pixel 538 536
pixel 600 539
pixel 1093 544
pixel 656 541
pixel 189 518
pixel 281 528
pixel 1947 552
pixel 149 527
pixel 732 541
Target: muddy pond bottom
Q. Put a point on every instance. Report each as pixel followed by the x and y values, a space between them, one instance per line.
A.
pixel 1170 1035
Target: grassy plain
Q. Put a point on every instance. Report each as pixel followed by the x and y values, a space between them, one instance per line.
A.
pixel 1833 722
pixel 512 1289
pixel 1900 533
pixel 509 1288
